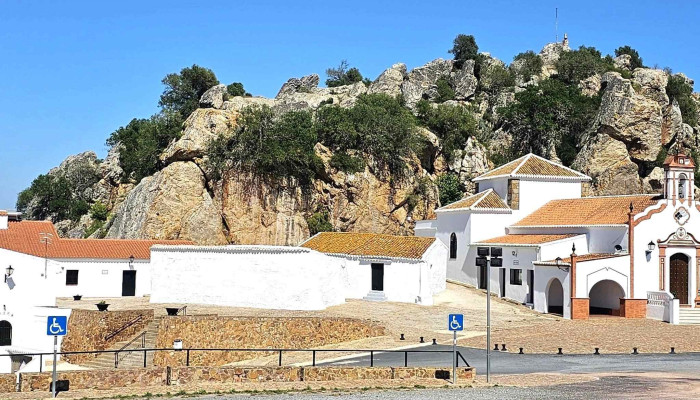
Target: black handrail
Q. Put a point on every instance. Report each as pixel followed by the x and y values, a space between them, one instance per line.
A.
pixel 124 327
pixel 268 350
pixel 141 336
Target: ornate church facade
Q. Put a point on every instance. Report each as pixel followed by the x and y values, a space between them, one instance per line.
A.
pixel 632 256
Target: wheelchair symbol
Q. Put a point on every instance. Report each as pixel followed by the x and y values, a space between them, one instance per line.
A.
pixel 55 328
pixel 454 324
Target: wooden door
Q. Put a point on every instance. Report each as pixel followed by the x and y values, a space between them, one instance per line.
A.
pixel 679 277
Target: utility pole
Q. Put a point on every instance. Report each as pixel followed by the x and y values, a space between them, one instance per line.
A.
pixel 488 257
pixel 556 24
pixel 46 238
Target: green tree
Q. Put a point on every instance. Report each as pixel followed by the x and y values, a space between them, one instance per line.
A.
pixel 450 189
pixel 575 65
pixel 636 60
pixel 530 64
pixel 99 211
pixel 550 113
pixel 452 124
pixel 51 196
pixel 494 78
pixel 342 75
pixel 236 89
pixel 270 146
pixel 319 222
pixel 342 161
pixel 679 89
pixel 464 48
pixel 142 141
pixel 183 90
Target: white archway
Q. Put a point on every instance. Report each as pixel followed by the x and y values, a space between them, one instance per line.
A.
pixel 604 297
pixel 555 297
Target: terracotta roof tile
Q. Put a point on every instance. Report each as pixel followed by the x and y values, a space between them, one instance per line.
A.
pixel 527 239
pixel 369 244
pixel 532 165
pixel 675 161
pixel 586 257
pixel 486 200
pixel 23 237
pixel 3 213
pixel 611 210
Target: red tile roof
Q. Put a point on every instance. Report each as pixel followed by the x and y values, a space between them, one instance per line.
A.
pixel 486 200
pixel 609 210
pixel 586 257
pixel 679 160
pixel 527 239
pixel 531 165
pixel 24 237
pixel 369 244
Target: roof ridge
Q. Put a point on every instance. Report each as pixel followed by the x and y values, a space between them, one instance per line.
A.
pixel 525 158
pixel 561 166
pixel 485 193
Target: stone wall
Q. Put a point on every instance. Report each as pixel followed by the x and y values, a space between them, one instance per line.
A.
pixel 167 376
pixel 8 383
pixel 88 329
pixel 252 332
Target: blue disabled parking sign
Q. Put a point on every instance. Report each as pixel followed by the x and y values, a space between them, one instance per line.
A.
pixel 57 325
pixel 455 322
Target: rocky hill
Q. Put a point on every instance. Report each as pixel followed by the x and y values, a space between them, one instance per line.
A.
pixel 634 123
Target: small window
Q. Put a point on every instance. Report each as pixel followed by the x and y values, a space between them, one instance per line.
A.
pixel 516 276
pixel 72 277
pixel 453 246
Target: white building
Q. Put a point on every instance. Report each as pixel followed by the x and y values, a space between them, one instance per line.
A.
pixel 324 271
pixel 578 255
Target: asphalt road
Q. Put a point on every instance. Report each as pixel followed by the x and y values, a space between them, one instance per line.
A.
pixel 509 363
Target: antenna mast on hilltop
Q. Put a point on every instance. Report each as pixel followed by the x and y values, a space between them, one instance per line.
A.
pixel 556 24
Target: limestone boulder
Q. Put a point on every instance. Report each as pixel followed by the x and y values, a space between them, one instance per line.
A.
pixel 550 54
pixel 591 86
pixel 389 82
pixel 654 182
pixel 202 126
pixel 608 163
pixel 214 97
pixel 471 162
pixel 304 84
pixel 239 103
pixel 652 83
pixel 174 203
pixel 463 81
pixel 421 80
pixel 623 61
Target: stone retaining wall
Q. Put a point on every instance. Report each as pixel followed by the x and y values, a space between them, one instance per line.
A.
pixel 8 383
pixel 87 330
pixel 166 376
pixel 252 332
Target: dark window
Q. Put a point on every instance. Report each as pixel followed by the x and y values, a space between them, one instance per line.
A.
pixel 516 276
pixel 453 246
pixel 72 277
pixel 5 333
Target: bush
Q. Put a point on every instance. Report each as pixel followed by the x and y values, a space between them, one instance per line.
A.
pixel 549 113
pixel 530 64
pixel 450 188
pixel 341 75
pixel 344 162
pixel 452 124
pixel 444 90
pixel 319 222
pixel 98 212
pixel 270 146
pixel 636 60
pixel 576 65
pixel 183 90
pixel 494 78
pixel 142 141
pixel 464 48
pixel 678 89
pixel 94 227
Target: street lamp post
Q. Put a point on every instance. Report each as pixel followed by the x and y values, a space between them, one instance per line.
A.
pixel 488 257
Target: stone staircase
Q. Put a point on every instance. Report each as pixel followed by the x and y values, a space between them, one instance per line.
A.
pixel 375 295
pixel 133 359
pixel 688 316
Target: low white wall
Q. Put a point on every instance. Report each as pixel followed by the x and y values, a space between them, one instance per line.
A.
pixel 271 277
pixel 101 278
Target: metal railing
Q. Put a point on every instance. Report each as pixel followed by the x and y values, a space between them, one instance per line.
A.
pixel 280 352
pixel 124 327
pixel 123 349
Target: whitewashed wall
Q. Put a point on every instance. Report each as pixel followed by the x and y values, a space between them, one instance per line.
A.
pixel 101 278
pixel 544 276
pixel 272 277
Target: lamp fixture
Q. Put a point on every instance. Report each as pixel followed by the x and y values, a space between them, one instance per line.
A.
pixel 8 272
pixel 131 261
pixel 650 247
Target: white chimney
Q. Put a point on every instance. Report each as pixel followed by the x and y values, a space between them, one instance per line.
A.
pixel 3 219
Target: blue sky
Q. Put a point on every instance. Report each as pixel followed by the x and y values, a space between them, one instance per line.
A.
pixel 73 72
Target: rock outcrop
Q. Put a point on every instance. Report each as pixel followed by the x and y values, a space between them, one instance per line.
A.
pixel 202 126
pixel 389 81
pixel 213 97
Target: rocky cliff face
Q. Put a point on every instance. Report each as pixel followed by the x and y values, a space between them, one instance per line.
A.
pixel 635 123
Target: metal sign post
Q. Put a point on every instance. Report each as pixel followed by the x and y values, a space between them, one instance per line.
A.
pixel 488 257
pixel 56 326
pixel 455 322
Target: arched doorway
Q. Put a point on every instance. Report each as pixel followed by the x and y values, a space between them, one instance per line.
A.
pixel 604 298
pixel 678 284
pixel 555 297
pixel 5 333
